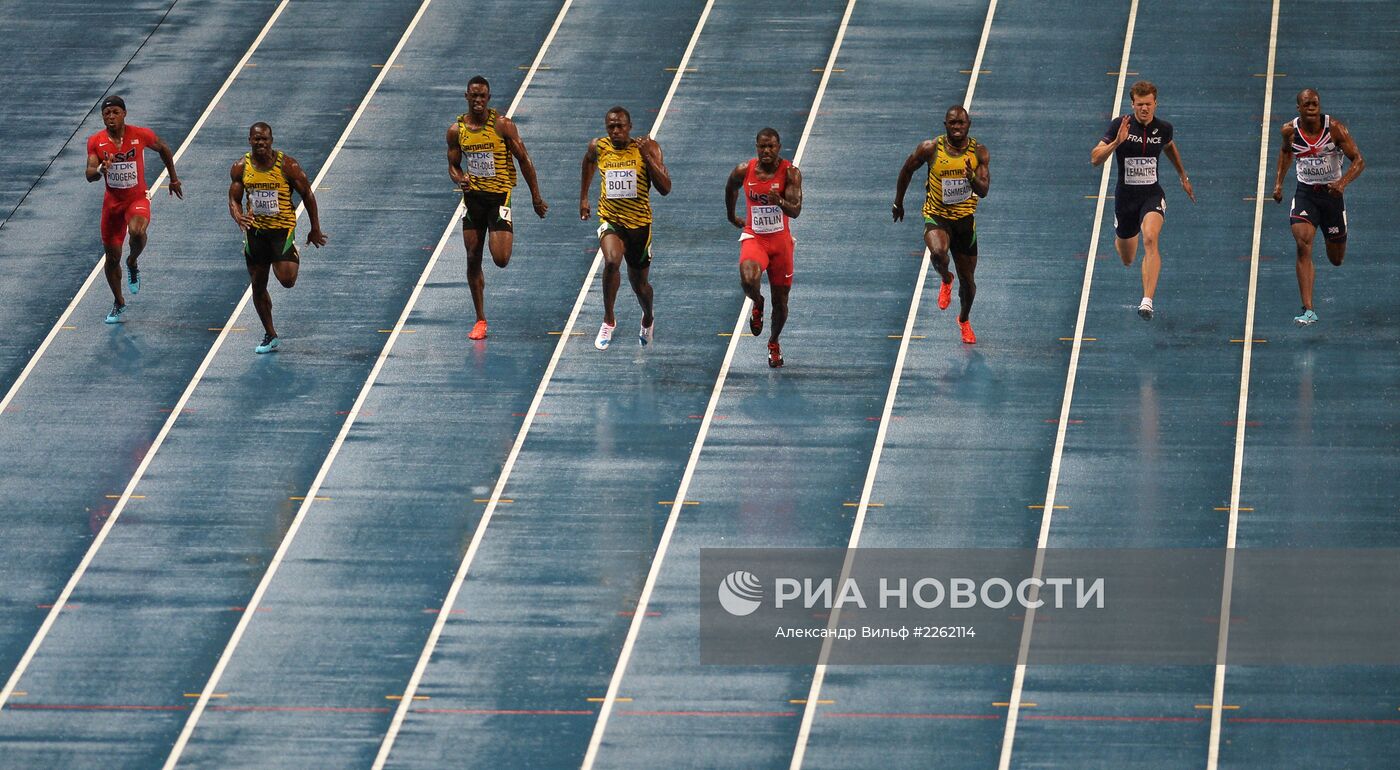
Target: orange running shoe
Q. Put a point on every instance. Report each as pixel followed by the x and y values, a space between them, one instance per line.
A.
pixel 478 331
pixel 775 355
pixel 945 295
pixel 967 335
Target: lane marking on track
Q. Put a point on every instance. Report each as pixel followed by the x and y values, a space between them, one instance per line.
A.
pixel 1008 740
pixel 809 711
pixel 1246 358
pixel 658 558
pixel 63 317
pixel 430 645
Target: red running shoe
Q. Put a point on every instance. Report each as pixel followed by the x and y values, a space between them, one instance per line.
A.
pixel 967 335
pixel 945 295
pixel 775 355
pixel 478 331
pixel 756 319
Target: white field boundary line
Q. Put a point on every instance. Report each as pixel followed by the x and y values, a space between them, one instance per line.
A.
pixel 411 689
pixel 1217 701
pixel 150 194
pixel 1013 709
pixel 61 602
pixel 673 518
pixel 270 573
pixel 809 709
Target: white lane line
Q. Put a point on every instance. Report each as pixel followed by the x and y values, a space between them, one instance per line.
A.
pixel 150 194
pixel 411 689
pixel 1217 700
pixel 251 608
pixel 809 709
pixel 1013 709
pixel 644 600
pixel 165 429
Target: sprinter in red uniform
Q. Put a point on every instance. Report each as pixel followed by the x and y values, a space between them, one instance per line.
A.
pixel 773 194
pixel 117 154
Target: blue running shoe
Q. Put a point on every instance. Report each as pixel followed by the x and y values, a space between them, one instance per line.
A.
pixel 604 337
pixel 1308 318
pixel 268 345
pixel 133 279
pixel 115 317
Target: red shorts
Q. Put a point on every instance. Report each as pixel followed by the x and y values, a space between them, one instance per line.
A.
pixel 773 253
pixel 117 213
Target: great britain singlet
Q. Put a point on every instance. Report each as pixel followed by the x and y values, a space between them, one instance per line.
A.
pixel 269 195
pixel 489 165
pixel 765 217
pixel 1318 160
pixel 949 194
pixel 625 196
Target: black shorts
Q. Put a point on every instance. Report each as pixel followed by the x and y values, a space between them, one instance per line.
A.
pixel 1314 205
pixel 962 233
pixel 263 247
pixel 636 243
pixel 1129 209
pixel 486 211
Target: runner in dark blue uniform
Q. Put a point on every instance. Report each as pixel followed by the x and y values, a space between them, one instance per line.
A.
pixel 1136 142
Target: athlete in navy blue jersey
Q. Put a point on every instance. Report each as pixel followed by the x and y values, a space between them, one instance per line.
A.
pixel 1316 142
pixel 1136 142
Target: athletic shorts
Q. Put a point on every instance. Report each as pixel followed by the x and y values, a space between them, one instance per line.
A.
pixel 636 243
pixel 1131 208
pixel 487 211
pixel 773 253
pixel 117 213
pixel 1314 205
pixel 962 233
pixel 263 247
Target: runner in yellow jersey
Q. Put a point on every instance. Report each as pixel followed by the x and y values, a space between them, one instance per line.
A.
pixel 959 174
pixel 629 169
pixel 264 179
pixel 491 145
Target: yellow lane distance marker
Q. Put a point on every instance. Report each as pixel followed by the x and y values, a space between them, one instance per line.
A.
pixel 133 497
pixel 212 695
pixel 1007 704
pixel 969 72
pixel 833 69
pixel 1207 707
pixel 571 334
pixel 1257 341
pixel 231 329
pixel 1242 508
pixel 400 697
pixel 69 328
pixel 1041 507
pixel 673 502
pixel 901 336
pixel 318 498
pixel 619 700
pixel 487 500
pixel 1116 73
pixel 868 505
pixel 803 702
pixel 1082 339
pixel 687 69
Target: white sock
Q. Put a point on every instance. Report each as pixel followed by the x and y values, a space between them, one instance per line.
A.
pixel 1146 301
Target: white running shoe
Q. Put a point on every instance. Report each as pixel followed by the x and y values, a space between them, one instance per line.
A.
pixel 604 337
pixel 644 336
pixel 1145 310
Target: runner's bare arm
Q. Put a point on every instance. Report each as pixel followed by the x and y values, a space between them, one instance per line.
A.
pixel 506 127
pixel 791 199
pixel 96 168
pixel 1175 155
pixel 731 193
pixel 1285 158
pixel 656 169
pixel 235 197
pixel 590 167
pixel 980 180
pixel 1358 164
pixel 297 179
pixel 1103 150
pixel 168 158
pixel 454 158
pixel 917 158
